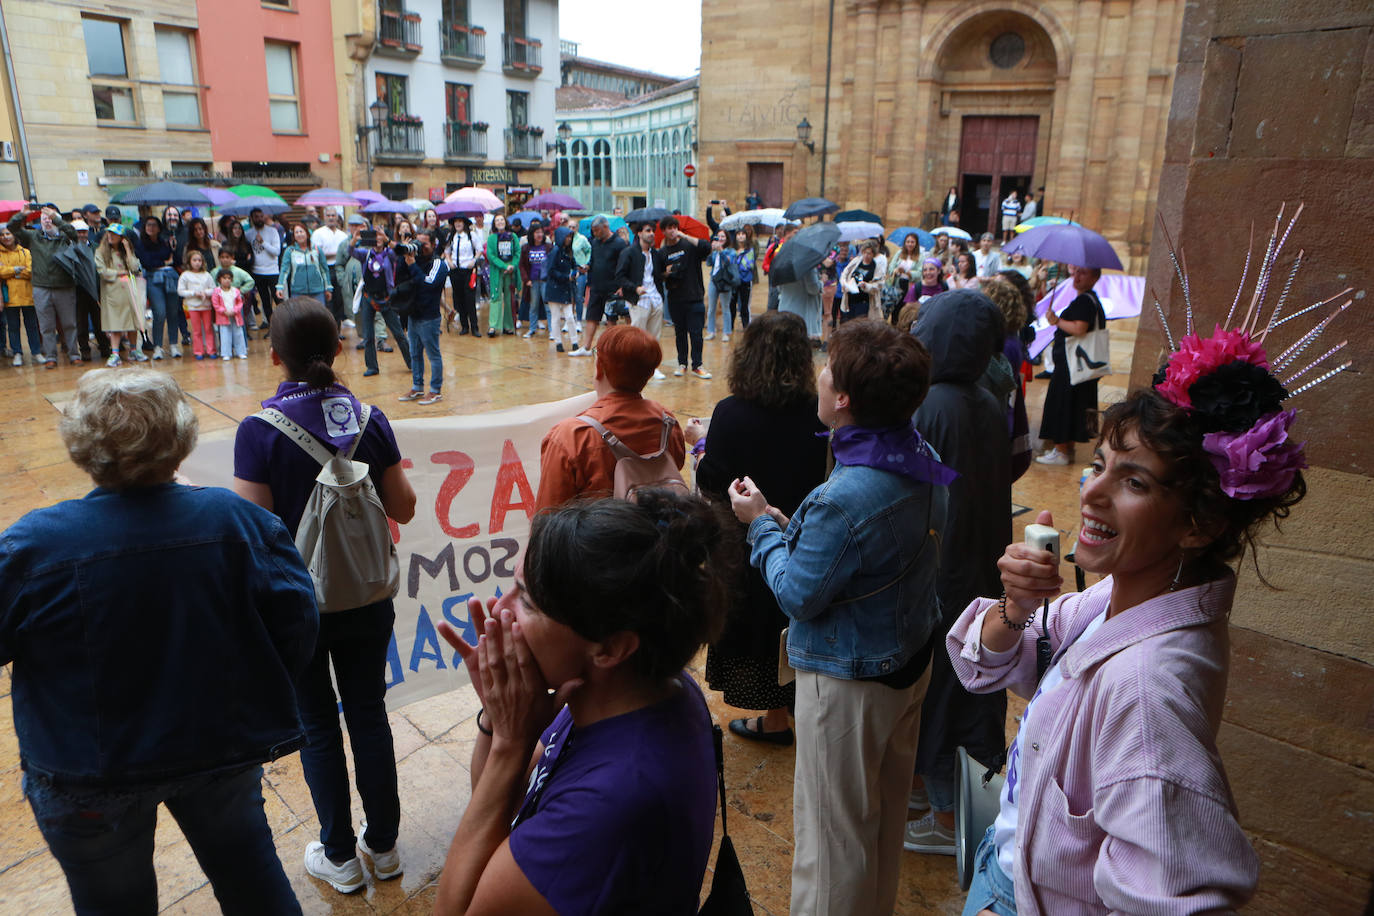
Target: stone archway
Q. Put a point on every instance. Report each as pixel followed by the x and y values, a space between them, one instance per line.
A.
pixel 994 76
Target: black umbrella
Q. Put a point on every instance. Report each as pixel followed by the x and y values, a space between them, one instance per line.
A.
pixel 647 215
pixel 858 216
pixel 812 206
pixel 802 252
pixel 166 193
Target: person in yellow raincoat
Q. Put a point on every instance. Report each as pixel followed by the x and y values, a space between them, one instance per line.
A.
pixel 503 258
pixel 16 273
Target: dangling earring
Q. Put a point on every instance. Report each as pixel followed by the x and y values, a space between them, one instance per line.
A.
pixel 1178 575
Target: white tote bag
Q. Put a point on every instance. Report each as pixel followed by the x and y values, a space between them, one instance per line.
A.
pixel 1090 355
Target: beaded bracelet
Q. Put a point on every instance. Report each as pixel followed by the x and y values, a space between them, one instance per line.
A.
pixel 488 732
pixel 1002 609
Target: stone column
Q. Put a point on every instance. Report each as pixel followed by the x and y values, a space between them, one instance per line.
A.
pixel 1068 165
pixel 860 154
pixel 901 202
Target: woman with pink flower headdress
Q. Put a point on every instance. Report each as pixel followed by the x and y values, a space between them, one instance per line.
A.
pixel 1115 797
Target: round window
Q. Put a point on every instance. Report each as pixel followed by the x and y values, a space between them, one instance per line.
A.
pixel 1007 50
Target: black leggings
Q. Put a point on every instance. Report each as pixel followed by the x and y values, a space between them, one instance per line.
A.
pixel 740 301
pixel 464 299
pixel 267 293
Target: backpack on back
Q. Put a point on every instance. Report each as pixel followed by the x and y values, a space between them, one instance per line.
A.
pixel 633 470
pixel 343 535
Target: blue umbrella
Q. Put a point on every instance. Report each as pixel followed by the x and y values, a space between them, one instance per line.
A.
pixel 525 217
pixel 857 216
pixel 585 226
pixel 811 206
pixel 923 238
pixel 1070 244
pixel 246 205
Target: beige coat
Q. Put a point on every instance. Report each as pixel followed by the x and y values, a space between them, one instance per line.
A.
pixel 122 296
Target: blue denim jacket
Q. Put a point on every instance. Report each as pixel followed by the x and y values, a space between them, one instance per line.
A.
pixel 154 633
pixel 855 571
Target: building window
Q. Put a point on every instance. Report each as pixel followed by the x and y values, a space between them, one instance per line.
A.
pixel 277 4
pixel 125 168
pixel 183 171
pixel 1007 50
pixel 111 90
pixel 396 190
pixel 458 102
pixel 283 95
pixel 517 109
pixel 394 90
pixel 181 106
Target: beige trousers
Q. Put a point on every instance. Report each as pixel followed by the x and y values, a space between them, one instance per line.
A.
pixel 856 750
pixel 648 319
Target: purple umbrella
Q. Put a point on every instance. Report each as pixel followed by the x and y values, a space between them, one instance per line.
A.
pixel 368 197
pixel 1070 244
pixel 552 200
pixel 460 208
pixel 327 197
pixel 219 196
pixel 388 206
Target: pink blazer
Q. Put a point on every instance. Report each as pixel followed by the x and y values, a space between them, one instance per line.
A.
pixel 1123 801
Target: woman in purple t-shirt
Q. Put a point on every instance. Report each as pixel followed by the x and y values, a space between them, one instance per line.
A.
pixel 618 801
pixel 274 472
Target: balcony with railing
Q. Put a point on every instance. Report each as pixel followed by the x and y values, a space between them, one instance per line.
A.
pixel 465 141
pixel 520 55
pixel 525 144
pixel 400 138
pixel 462 44
pixel 398 32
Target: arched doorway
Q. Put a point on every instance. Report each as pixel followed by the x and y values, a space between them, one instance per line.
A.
pixel 995 75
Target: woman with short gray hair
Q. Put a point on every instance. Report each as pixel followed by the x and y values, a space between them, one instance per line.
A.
pixel 123 703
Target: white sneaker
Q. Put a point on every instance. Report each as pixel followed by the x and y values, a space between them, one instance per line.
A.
pixel 157 352
pixel 385 865
pixel 349 323
pixel 1053 456
pixel 176 352
pixel 345 878
pixel 580 351
pixel 138 356
pixel 710 335
pixel 19 359
pixel 679 372
pixel 659 376
pixel 579 327
pixel 725 337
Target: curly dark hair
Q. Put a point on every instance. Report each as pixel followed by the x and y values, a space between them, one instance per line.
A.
pixel 771 365
pixel 885 373
pixel 659 567
pixel 1176 436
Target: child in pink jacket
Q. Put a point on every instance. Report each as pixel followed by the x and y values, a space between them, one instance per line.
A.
pixel 228 304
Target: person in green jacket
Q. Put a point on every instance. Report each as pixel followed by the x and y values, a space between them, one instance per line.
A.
pixel 503 256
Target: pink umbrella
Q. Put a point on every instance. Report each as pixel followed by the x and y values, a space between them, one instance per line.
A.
pixel 480 196
pixel 368 197
pixel 219 196
pixel 459 208
pixel 327 197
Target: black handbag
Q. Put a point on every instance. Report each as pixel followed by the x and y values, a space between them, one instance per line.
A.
pixel 729 896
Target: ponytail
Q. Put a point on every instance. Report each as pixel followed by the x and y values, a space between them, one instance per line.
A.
pixel 305 336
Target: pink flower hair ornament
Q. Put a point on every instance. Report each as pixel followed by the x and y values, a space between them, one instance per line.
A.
pixel 1257 463
pixel 1201 356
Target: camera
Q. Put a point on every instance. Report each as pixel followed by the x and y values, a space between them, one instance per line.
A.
pixel 404 249
pixel 367 238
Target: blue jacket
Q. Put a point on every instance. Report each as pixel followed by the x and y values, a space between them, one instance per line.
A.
pixel 855 571
pixel 155 634
pixel 560 270
pixel 428 279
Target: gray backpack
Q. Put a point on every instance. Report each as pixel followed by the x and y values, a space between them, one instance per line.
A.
pixel 633 470
pixel 343 535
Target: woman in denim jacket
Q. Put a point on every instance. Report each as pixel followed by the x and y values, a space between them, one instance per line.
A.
pixel 854 569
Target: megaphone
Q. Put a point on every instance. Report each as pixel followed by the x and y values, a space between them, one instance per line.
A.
pixel 975 808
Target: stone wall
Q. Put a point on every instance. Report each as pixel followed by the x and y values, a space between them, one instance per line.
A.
pixel 1098 73
pixel 1274 104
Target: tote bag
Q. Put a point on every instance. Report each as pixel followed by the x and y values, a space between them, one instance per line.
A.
pixel 1090 355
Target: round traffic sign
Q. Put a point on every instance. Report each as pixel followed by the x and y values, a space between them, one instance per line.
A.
pixel 689 170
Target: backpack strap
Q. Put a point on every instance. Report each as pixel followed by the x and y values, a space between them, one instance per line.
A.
pixel 620 449
pixel 308 443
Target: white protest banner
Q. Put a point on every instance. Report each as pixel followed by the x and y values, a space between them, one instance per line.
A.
pixel 475 478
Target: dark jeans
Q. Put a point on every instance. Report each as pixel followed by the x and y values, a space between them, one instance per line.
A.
pixel 464 299
pixel 424 342
pixel 87 323
pixel 104 841
pixel 356 642
pixel 267 293
pixel 739 303
pixel 367 313
pixel 688 320
pixel 14 314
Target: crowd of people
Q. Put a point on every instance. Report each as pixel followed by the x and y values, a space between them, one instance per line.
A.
pixel 845 553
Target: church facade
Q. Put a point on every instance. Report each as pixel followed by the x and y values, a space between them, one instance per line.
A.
pixel 905 99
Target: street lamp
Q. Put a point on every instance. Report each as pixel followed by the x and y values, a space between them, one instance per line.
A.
pixel 564 132
pixel 804 135
pixel 378 110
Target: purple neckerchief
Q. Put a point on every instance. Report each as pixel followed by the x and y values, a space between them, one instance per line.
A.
pixel 899 449
pixel 329 414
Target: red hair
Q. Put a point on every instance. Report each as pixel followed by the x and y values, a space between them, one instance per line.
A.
pixel 628 356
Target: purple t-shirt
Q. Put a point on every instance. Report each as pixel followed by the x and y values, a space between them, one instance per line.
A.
pixel 619 815
pixel 262 454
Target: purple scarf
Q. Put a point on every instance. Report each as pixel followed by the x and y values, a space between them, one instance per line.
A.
pixel 899 449
pixel 329 414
